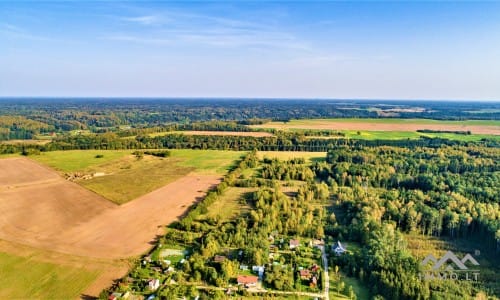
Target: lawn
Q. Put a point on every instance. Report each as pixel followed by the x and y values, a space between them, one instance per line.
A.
pixel 25 278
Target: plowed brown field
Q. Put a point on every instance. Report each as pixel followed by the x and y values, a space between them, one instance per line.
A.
pixel 40 209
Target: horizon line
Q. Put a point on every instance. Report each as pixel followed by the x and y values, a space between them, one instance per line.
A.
pixel 249 98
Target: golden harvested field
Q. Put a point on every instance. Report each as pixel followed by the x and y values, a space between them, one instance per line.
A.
pixel 385 125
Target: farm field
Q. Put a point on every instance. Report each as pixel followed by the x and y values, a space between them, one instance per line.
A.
pixel 99 236
pixel 208 162
pixel 26 278
pixel 34 213
pixel 413 135
pixel 29 273
pixel 78 160
pixel 218 133
pixel 489 127
pixel 123 177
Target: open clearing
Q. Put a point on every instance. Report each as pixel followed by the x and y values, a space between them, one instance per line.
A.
pixel 476 127
pixel 286 155
pixel 217 133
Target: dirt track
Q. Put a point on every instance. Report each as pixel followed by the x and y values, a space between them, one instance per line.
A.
pixel 40 209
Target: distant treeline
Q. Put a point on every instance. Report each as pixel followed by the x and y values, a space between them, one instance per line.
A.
pixel 444 131
pixel 104 115
pixel 281 142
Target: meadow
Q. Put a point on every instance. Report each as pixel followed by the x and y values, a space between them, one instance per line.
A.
pixel 124 177
pixel 27 278
pixel 229 205
pixel 286 155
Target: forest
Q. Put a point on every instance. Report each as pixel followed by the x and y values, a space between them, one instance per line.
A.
pixel 383 193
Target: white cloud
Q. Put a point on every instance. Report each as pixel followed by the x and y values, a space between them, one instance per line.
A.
pixel 205 30
pixel 145 20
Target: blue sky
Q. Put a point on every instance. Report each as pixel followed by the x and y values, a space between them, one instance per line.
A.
pixel 323 49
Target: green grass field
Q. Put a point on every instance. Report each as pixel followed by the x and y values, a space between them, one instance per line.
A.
pixel 25 278
pixel 126 177
pixel 208 161
pixel 413 135
pixel 228 205
pixel 78 160
pixel 285 155
pixel 359 289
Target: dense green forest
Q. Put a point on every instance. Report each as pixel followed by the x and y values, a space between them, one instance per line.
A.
pixel 382 192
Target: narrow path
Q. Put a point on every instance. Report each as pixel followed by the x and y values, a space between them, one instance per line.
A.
pixel 327 277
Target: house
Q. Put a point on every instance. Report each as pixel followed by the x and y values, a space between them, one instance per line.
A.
pixel 294 244
pixel 305 274
pixel 153 284
pixel 219 258
pixel 339 249
pixel 247 280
